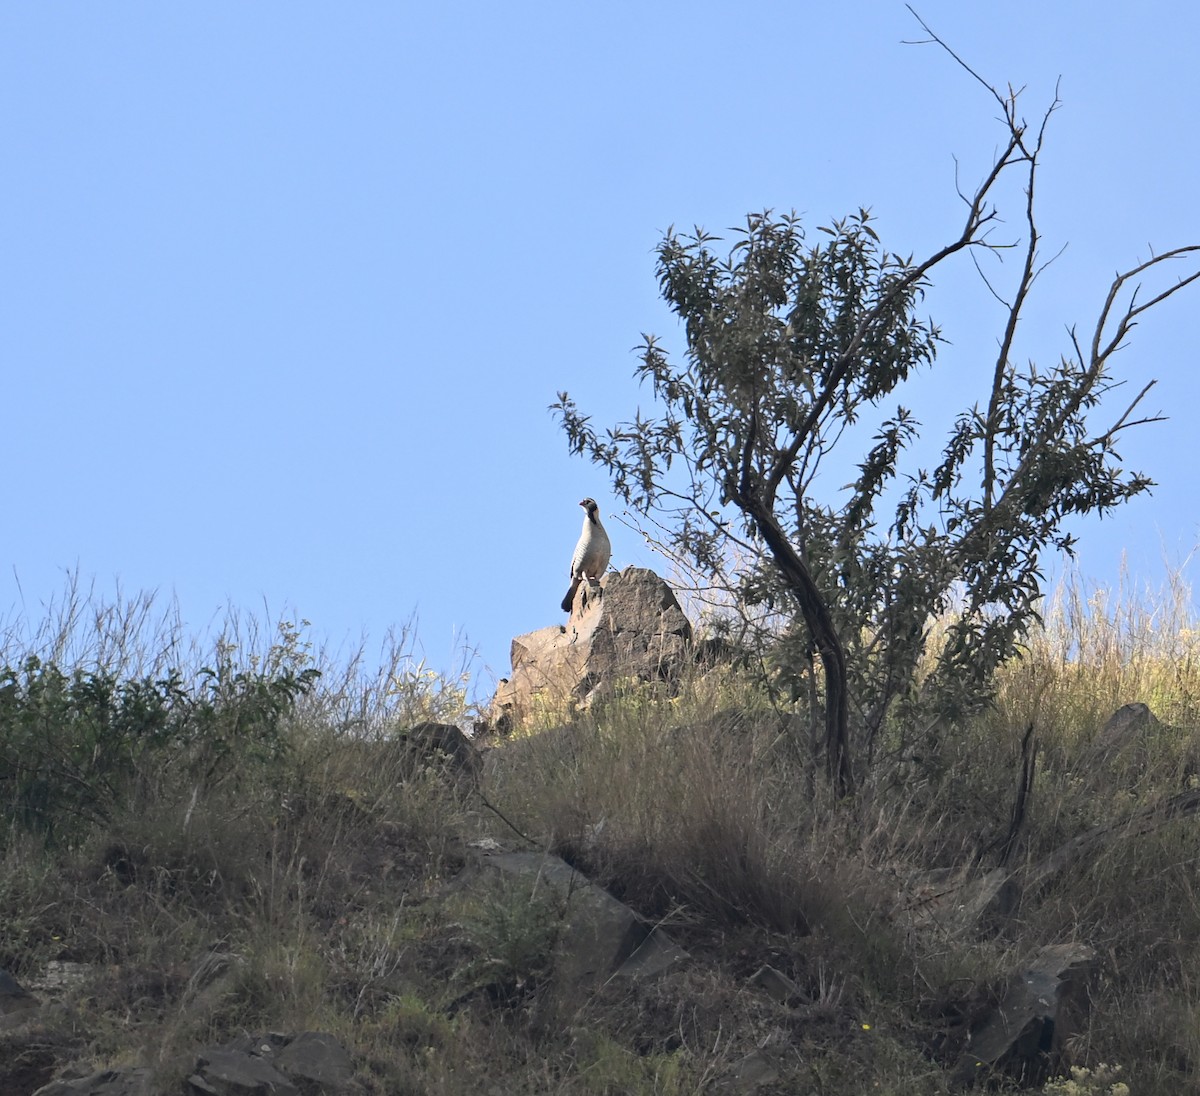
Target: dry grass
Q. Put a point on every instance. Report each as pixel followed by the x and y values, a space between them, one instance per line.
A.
pixel 308 891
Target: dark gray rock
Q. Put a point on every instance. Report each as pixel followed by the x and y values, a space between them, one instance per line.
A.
pixel 601 937
pixel 1123 749
pixel 309 1064
pixel 226 1071
pixel 1041 1010
pixel 107 1082
pixel 777 986
pixel 956 901
pixel 748 1074
pixel 318 1064
pixel 440 743
pixel 14 997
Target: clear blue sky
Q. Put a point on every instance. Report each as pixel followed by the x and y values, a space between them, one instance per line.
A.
pixel 286 288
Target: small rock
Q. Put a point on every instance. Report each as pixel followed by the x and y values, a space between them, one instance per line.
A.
pixel 756 1069
pixel 777 985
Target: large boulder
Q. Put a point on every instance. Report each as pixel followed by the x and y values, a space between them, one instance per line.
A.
pixel 627 628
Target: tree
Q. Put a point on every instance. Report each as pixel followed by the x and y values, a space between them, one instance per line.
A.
pixel 788 344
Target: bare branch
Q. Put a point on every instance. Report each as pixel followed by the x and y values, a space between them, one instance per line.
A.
pixel 1123 423
pixel 984 278
pixel 933 38
pixel 1029 273
pixel 1132 312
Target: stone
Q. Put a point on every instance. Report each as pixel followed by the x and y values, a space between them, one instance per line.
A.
pixel 956 902
pixel 601 937
pixel 15 999
pixel 212 977
pixel 107 1082
pixel 1129 725
pixel 311 1063
pixel 777 985
pixel 441 743
pixel 756 1069
pixel 224 1071
pixel 1041 1011
pixel 318 1063
pixel 630 628
pixel 62 976
pixel 34 1044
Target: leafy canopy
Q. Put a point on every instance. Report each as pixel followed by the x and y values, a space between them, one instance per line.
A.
pixel 788 342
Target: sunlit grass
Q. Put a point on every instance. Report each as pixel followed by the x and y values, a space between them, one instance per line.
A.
pixel 319 876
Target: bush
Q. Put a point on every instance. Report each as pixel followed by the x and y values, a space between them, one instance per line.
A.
pixel 72 745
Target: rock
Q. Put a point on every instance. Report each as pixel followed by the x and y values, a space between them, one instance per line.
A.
pixel 26 1064
pixel 756 1069
pixel 212 977
pixel 956 902
pixel 34 1042
pixel 308 1064
pixel 1041 1010
pixel 601 938
pixel 1128 725
pixel 441 743
pixel 108 1082
pixel 224 1071
pixel 631 629
pixel 15 999
pixel 318 1063
pixel 777 985
pixel 61 977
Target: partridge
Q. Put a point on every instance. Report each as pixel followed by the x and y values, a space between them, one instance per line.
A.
pixel 592 553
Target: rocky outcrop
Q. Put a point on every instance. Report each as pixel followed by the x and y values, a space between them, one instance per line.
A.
pixel 628 628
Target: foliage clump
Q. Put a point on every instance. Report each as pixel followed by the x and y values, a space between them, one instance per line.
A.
pixel 793 351
pixel 74 744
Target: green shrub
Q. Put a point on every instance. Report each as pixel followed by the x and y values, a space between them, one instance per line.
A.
pixel 72 745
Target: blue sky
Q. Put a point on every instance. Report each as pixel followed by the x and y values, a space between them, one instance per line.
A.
pixel 286 288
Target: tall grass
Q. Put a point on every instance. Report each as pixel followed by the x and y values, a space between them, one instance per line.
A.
pixel 306 886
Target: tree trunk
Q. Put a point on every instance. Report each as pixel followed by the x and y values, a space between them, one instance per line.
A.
pixel 808 596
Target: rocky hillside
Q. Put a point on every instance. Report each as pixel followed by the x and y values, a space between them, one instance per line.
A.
pixel 630 879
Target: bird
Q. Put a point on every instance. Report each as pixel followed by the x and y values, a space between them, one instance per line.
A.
pixel 592 553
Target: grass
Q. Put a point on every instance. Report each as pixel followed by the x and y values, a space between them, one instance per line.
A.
pixel 270 859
